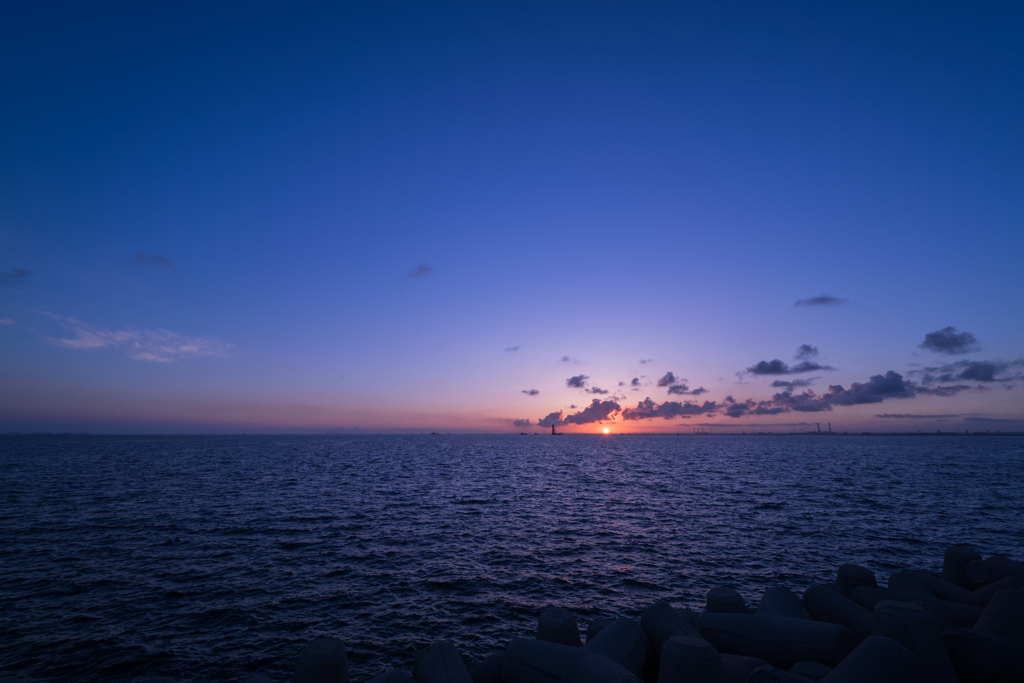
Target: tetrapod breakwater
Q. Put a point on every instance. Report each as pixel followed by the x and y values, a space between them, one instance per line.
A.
pixel 965 624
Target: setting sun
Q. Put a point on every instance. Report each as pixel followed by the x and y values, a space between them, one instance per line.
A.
pixel 606 430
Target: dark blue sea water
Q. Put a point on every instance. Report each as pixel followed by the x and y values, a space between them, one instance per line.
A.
pixel 214 557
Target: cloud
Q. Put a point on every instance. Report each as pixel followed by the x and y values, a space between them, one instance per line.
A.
pixel 597 411
pixel 970 371
pixel 949 390
pixel 793 383
pixel 645 361
pixel 7 321
pixel 530 392
pixel 141 258
pixel 422 270
pixel 9 276
pixel 635 382
pixel 156 346
pixel 597 390
pixel 875 390
pixel 821 300
pixel 668 410
pixel 804 353
pixel 667 379
pixel 949 341
pixel 551 420
pixel 577 382
pixel 908 416
pixel 513 348
pixel 991 419
pixel 521 423
pixel 685 390
pixel 568 359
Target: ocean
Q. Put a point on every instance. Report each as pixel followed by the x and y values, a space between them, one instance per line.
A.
pixel 213 557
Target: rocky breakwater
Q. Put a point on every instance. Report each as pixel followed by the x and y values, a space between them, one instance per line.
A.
pixel 966 625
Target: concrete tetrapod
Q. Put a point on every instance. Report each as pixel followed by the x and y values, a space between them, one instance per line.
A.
pixel 724 600
pixel 981 658
pixel 771 674
pixel 323 660
pixel 947 591
pixel 957 614
pixel 623 641
pixel 851 576
pixel 660 622
pixel 737 668
pixel 690 660
pixel 440 663
pixel 910 583
pixel 825 604
pixel 983 572
pixel 779 601
pixel 558 625
pixel 954 564
pixel 781 641
pixel 488 670
pixel 914 627
pixel 595 627
pixel 1004 617
pixel 535 661
pixel 879 660
pixel 393 676
pixel 811 670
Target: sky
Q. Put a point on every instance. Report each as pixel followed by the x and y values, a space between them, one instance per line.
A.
pixel 503 216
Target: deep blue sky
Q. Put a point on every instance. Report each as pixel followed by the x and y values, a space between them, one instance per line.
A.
pixel 307 216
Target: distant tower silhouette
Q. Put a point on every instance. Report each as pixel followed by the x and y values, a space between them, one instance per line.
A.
pixel 552 430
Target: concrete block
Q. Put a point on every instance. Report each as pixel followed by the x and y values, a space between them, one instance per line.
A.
pixel 982 596
pixel 1004 617
pixel 879 660
pixel 779 601
pixel 690 660
pixel 771 674
pixel 781 641
pixel 488 670
pixel 851 576
pixel 558 625
pixel 323 660
pixel 983 572
pixel 981 658
pixel 955 614
pixel 914 627
pixel 954 564
pixel 810 670
pixel 592 668
pixel 910 583
pixel 393 676
pixel 595 627
pixel 660 622
pixel 825 604
pixel 736 668
pixel 623 641
pixel 440 663
pixel 536 661
pixel 723 600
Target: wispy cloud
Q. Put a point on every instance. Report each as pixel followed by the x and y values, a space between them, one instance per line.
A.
pixel 512 349
pixel 422 270
pixel 949 341
pixel 645 361
pixel 530 392
pixel 568 359
pixel 821 300
pixel 10 276
pixel 7 321
pixel 910 416
pixel 793 383
pixel 597 390
pixel 155 346
pixel 141 258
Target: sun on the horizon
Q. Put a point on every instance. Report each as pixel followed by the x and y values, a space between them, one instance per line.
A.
pixel 607 431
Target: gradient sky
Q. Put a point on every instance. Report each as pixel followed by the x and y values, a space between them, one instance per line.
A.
pixel 396 215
